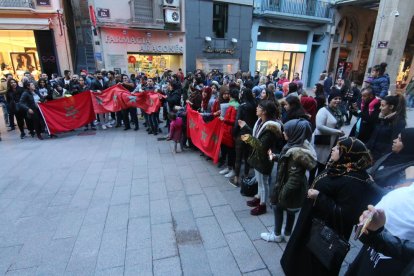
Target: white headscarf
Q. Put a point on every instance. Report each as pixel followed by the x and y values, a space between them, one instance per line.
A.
pixel 398 206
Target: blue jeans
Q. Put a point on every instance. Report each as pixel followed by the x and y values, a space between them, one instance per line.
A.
pixel 410 101
pixel 262 186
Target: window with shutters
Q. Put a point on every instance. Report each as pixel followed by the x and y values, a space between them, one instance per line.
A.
pixel 220 18
pixel 143 11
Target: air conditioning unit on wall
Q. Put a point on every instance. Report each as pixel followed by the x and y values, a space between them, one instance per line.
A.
pixel 172 16
pixel 171 3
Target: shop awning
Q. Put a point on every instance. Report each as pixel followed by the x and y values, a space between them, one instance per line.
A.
pixel 24 24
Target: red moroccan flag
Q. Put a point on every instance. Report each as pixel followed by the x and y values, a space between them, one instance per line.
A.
pixel 149 101
pixel 205 136
pixel 68 113
pixel 109 100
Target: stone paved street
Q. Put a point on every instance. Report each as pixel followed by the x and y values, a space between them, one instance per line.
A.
pixel 121 203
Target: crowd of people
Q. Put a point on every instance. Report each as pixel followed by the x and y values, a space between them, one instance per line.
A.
pixel 271 123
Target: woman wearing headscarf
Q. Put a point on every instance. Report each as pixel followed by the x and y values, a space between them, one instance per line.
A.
pixel 337 197
pixel 264 135
pixel 389 170
pixel 289 192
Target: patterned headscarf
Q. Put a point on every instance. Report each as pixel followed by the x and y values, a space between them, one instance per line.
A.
pixel 354 157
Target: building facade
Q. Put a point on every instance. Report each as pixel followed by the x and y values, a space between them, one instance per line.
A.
pixel 34 37
pixel 138 35
pixel 218 35
pixel 368 33
pixel 293 36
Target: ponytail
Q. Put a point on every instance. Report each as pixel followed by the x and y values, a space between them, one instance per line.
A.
pixel 399 104
pixel 380 68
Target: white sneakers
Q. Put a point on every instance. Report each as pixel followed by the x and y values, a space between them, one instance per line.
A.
pixel 230 174
pixel 224 171
pixel 103 127
pixel 227 172
pixel 272 237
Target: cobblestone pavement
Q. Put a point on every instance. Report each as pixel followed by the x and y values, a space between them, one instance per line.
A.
pixel 119 203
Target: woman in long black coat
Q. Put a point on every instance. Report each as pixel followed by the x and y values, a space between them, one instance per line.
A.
pixel 389 170
pixel 340 193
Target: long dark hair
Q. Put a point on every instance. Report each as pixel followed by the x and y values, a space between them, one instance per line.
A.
pixel 247 96
pixel 9 85
pixel 319 90
pixel 399 104
pixel 296 110
pixel 42 80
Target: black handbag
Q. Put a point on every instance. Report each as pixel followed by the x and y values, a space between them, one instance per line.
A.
pixel 326 245
pixel 322 140
pixel 248 186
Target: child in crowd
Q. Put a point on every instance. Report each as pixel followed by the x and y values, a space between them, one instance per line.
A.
pixel 176 125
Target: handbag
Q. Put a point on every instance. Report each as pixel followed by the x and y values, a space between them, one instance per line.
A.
pixel 326 245
pixel 248 186
pixel 322 139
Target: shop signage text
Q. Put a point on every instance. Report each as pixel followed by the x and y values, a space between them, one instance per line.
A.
pixel 43 2
pixel 229 51
pixel 145 44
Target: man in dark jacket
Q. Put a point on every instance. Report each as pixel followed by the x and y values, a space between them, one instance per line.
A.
pixel 98 84
pixel 327 84
pixel 367 114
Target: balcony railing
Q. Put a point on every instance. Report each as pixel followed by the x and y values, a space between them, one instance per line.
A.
pixel 17 4
pixel 314 8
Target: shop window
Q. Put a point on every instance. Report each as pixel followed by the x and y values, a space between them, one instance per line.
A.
pixel 220 19
pixel 152 64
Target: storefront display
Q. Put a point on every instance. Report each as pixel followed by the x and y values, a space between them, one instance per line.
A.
pixel 153 64
pixel 18 53
pixel 269 55
pixel 142 51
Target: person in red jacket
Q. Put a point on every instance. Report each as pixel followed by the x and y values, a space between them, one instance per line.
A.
pixel 227 142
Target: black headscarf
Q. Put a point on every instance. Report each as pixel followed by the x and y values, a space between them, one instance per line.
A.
pixel 407 153
pixel 354 157
pixel 297 131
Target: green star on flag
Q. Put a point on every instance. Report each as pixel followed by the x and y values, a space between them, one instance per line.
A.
pixel 132 99
pixel 71 111
pixel 192 124
pixel 203 135
pixel 214 137
pixel 115 97
pixel 151 101
pixel 99 101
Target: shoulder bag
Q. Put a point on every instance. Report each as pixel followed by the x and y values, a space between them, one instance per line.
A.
pixel 322 139
pixel 329 247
